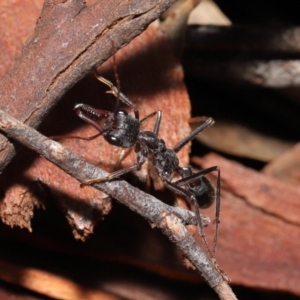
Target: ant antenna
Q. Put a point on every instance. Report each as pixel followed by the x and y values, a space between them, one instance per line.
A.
pixel 114 90
pixel 116 76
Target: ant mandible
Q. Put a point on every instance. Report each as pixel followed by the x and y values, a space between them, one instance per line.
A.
pixel 123 130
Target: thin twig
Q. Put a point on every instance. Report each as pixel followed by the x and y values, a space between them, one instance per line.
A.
pixel 167 218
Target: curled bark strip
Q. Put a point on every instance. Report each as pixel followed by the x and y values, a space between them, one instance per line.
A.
pixel 150 208
pixel 70 40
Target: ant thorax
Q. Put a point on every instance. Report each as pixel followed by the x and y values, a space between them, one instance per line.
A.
pixel 165 160
pixel 166 163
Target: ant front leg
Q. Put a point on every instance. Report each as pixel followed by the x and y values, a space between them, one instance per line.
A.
pixel 204 192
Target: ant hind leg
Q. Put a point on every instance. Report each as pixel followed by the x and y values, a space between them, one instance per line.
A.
pixel 199 185
pixel 192 199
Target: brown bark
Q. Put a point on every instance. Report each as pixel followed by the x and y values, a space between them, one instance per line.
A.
pixel 70 40
pixel 148 74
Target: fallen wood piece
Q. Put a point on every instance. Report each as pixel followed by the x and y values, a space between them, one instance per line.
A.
pixel 251 39
pixel 242 141
pixel 286 167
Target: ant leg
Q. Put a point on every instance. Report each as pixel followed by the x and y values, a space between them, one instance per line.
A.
pixel 119 95
pixel 158 114
pixel 192 199
pixel 194 177
pixel 60 137
pixel 123 154
pixel 141 158
pixel 113 175
pixel 120 158
pixel 192 135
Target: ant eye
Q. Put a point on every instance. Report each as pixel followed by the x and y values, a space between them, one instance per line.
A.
pixel 122 112
pixel 114 140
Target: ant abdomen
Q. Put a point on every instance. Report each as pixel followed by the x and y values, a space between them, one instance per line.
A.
pixel 201 187
pixel 204 192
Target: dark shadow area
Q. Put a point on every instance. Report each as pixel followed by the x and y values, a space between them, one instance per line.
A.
pixel 258 12
pixel 113 277
pixel 14 292
pixel 261 109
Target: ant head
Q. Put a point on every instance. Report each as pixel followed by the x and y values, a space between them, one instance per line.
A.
pixel 121 129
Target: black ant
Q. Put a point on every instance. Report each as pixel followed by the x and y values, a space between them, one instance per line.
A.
pixel 123 130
